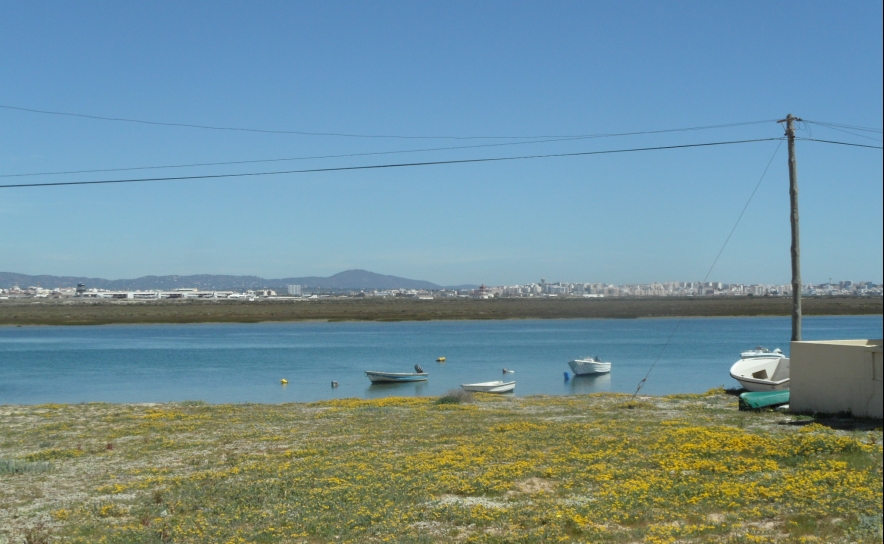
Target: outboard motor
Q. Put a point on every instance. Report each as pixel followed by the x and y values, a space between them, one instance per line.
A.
pixel 418 369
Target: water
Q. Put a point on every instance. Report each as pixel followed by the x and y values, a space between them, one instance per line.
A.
pixel 222 363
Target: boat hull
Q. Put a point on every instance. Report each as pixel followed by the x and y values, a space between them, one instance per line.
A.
pixel 489 387
pixel 762 373
pixel 763 399
pixel 396 377
pixel 587 368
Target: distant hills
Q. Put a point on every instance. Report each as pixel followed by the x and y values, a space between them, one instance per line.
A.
pixel 350 279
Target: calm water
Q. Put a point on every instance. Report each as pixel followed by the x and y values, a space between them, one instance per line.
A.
pixel 244 362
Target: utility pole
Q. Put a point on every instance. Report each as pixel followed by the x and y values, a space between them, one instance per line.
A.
pixel 796 248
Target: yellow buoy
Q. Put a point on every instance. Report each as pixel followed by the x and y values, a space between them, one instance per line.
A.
pixel 440 360
pixel 283 381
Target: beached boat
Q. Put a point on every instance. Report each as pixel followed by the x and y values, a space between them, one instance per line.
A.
pixel 762 373
pixel 760 351
pixel 395 377
pixel 589 365
pixel 489 387
pixel 764 399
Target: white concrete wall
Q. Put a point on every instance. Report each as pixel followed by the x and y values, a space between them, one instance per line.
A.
pixel 837 376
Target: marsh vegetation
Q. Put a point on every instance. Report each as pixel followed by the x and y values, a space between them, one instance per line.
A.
pixel 84 312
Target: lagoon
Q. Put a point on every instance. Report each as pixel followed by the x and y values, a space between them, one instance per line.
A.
pixel 235 363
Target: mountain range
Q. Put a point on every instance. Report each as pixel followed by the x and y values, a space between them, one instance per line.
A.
pixel 349 279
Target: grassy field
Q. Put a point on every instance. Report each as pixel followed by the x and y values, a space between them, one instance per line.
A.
pixel 597 468
pixel 48 312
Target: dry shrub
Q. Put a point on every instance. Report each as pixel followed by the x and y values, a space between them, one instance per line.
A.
pixel 455 396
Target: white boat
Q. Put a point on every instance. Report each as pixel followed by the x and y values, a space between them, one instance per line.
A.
pixel 762 373
pixel 760 351
pixel 489 387
pixel 395 377
pixel 589 365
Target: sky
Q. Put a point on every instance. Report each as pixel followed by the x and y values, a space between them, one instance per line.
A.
pixel 495 70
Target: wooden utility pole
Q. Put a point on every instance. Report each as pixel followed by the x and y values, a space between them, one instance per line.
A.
pixel 796 248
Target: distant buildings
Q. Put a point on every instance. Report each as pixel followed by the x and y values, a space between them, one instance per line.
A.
pixel 530 290
pixel 666 289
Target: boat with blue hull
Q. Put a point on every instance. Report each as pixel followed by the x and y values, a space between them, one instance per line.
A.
pixel 764 399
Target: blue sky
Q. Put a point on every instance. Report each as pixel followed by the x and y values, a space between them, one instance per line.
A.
pixel 449 69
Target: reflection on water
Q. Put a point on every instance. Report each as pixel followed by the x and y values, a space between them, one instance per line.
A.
pixel 409 389
pixel 591 383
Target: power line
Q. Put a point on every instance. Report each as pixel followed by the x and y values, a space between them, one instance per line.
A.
pixel 290 158
pixel 367 154
pixel 381 166
pixel 349 135
pixel 840 143
pixel 852 127
pixel 849 132
pixel 720 251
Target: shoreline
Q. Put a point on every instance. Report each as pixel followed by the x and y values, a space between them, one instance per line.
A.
pixel 382 321
pixel 61 313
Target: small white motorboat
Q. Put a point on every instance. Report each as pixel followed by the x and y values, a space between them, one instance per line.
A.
pixel 760 351
pixel 489 387
pixel 762 373
pixel 393 377
pixel 589 365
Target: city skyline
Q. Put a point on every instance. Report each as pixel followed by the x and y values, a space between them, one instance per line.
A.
pixel 540 288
